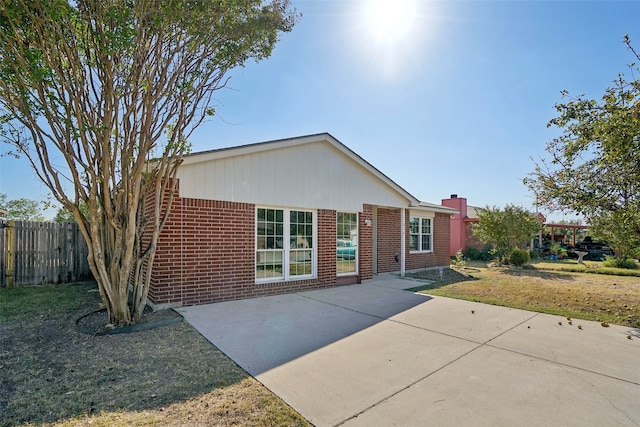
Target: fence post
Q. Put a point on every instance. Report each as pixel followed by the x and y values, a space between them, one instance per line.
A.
pixel 9 252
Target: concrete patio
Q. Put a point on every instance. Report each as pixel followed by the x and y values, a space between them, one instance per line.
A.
pixel 375 354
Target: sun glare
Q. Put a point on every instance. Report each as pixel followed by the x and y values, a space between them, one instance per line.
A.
pixel 391 35
pixel 390 21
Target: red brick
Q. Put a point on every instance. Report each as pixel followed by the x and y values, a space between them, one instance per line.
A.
pixel 206 252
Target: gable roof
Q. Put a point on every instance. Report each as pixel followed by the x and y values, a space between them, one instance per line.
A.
pixel 254 148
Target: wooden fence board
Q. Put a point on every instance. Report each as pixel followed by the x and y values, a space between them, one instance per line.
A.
pixel 33 253
pixel 2 226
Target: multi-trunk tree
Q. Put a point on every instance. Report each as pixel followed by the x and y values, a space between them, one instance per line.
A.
pixel 593 168
pixel 101 98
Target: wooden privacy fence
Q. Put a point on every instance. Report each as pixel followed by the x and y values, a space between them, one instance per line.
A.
pixel 34 253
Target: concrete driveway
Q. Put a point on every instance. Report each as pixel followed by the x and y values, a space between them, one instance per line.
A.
pixel 376 355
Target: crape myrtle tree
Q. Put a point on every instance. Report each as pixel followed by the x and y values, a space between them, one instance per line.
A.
pixel 593 167
pixel 506 229
pixel 65 215
pixel 101 97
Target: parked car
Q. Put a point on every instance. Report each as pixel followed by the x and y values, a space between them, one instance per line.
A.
pixel 346 249
pixel 597 251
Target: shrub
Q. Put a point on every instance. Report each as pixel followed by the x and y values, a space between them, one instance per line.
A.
pixel 519 257
pixel 472 253
pixel 458 261
pixel 557 249
pixel 613 262
pixel 476 254
pixel 535 255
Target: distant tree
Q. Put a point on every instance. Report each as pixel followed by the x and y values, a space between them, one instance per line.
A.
pixel 22 209
pixel 506 229
pixel 101 98
pixel 593 167
pixel 65 215
pixel 613 228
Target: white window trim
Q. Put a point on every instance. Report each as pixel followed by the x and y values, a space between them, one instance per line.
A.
pixel 422 215
pixel 352 273
pixel 286 277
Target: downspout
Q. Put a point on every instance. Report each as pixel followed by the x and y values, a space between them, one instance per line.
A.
pixel 402 242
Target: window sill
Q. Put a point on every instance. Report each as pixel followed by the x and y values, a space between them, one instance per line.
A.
pixel 283 280
pixel 420 252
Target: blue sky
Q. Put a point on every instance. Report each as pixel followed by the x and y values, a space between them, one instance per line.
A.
pixel 455 100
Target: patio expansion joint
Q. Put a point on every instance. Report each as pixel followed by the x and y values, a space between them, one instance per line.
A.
pixel 478 345
pixel 382 318
pixel 408 386
pixel 544 359
pixel 555 362
pixel 451 362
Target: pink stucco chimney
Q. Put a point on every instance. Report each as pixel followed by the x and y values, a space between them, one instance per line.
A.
pixel 458 227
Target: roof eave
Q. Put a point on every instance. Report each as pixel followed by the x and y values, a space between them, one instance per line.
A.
pixel 438 208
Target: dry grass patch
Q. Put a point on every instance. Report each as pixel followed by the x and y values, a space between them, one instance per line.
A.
pixel 604 298
pixel 53 374
pixel 246 403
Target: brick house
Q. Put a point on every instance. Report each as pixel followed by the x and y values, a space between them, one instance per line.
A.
pixel 285 216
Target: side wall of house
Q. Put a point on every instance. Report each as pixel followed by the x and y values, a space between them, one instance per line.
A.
pixel 206 253
pixel 388 229
pixel 471 240
pixel 441 243
pixel 388 239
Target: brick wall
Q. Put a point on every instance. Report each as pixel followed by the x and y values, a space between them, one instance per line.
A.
pixel 441 241
pixel 388 229
pixel 206 253
pixel 326 247
pixel 472 241
pixel 388 232
pixel 365 243
pixel 440 255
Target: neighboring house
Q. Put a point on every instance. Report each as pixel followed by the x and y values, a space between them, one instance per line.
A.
pixel 285 216
pixel 462 224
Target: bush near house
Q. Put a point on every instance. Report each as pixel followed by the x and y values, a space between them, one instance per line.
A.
pixel 613 262
pixel 557 250
pixel 519 257
pixel 475 254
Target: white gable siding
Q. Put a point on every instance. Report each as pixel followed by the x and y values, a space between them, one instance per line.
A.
pixel 314 175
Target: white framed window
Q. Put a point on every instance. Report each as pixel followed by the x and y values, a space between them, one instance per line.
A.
pixel 285 244
pixel 420 234
pixel 346 243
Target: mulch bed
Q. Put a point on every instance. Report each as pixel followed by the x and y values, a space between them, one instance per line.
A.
pixel 449 275
pixel 95 322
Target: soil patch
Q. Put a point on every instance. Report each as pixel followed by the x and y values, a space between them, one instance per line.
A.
pixel 449 275
pixel 95 323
